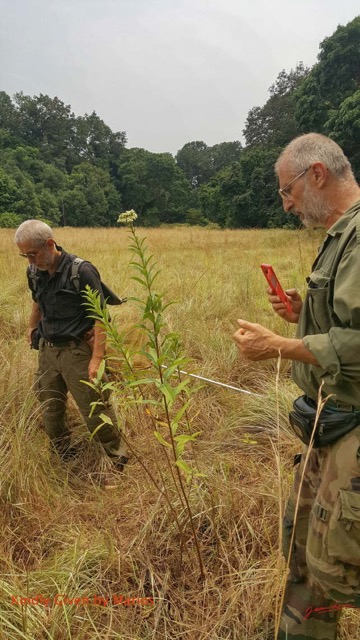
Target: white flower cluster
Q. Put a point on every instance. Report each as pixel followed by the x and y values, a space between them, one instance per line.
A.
pixel 128 217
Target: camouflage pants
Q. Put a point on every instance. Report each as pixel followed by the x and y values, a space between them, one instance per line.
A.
pixel 61 369
pixel 324 571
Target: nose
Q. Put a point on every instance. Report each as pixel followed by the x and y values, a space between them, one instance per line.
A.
pixel 287 204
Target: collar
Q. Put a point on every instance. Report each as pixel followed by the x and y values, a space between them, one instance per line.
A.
pixel 340 225
pixel 62 259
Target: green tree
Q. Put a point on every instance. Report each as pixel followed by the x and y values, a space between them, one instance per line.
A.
pixel 10 220
pixel 46 123
pixel 274 124
pixel 8 122
pixel 8 191
pixel 343 126
pixel 96 143
pixel 154 185
pixel 245 194
pixel 27 202
pixel 49 204
pixel 91 199
pixel 224 154
pixel 195 161
pixel 53 179
pixel 334 78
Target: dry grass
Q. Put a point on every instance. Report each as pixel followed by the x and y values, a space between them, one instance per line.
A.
pixel 62 534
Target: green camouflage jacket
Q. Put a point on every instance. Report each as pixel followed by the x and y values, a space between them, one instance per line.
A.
pixel 329 323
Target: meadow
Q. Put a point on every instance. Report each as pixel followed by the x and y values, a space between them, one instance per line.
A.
pixel 73 556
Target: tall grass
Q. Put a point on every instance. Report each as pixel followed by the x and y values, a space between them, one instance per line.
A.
pixel 63 534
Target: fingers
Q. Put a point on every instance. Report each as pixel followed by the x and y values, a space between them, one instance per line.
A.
pixel 293 294
pixel 245 325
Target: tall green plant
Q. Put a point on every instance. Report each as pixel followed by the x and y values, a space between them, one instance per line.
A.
pixel 169 399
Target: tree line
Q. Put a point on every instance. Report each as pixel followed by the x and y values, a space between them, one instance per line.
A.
pixel 76 171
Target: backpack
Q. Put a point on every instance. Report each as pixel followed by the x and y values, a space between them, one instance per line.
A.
pixel 110 297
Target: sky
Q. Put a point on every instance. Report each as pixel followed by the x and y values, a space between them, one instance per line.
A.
pixel 164 71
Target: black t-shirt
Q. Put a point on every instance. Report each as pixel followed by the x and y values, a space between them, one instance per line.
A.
pixel 64 315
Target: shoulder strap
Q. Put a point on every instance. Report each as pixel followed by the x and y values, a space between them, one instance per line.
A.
pixel 74 278
pixel 110 297
pixel 34 278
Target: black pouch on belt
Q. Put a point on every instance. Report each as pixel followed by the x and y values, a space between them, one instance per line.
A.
pixel 35 339
pixel 331 424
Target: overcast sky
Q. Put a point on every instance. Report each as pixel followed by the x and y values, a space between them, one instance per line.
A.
pixel 165 71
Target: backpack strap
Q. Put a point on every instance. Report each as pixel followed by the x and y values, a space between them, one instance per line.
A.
pixel 74 278
pixel 33 277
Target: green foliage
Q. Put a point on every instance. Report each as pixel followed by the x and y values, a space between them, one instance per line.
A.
pixel 344 127
pixel 333 79
pixel 91 199
pixel 154 185
pixel 200 162
pixel 170 398
pixel 274 124
pixel 10 220
pixel 8 191
pixel 194 216
pixel 245 194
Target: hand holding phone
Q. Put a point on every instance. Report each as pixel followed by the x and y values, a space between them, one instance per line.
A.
pixel 274 283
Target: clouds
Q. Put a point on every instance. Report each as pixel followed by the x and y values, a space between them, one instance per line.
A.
pixel 165 71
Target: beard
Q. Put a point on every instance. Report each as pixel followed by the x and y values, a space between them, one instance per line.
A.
pixel 315 209
pixel 47 262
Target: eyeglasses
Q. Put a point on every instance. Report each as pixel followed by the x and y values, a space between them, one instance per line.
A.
pixel 31 254
pixel 285 192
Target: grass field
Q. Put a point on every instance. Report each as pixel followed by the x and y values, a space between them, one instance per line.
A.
pixel 63 534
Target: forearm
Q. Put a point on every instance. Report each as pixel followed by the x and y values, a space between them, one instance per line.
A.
pixel 99 341
pixel 35 317
pixel 294 349
pixel 98 350
pixel 256 343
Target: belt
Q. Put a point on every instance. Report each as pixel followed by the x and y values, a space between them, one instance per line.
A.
pixel 344 407
pixel 60 345
pixel 334 404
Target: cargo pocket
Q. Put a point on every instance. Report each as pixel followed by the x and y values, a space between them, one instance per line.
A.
pixel 297 551
pixel 344 528
pixel 319 300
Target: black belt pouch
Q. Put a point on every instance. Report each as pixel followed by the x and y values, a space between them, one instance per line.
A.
pixel 331 425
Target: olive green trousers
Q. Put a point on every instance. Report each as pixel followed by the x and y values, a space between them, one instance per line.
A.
pixel 60 371
pixel 324 575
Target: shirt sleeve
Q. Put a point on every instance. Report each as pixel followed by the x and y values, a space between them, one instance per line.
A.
pixel 338 350
pixel 89 275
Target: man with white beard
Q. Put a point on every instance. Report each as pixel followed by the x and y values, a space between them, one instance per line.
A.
pixel 317 185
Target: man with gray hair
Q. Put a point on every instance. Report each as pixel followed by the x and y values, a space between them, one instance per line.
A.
pixel 322 544
pixel 71 345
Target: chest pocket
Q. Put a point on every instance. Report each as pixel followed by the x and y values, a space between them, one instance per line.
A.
pixel 68 303
pixel 320 298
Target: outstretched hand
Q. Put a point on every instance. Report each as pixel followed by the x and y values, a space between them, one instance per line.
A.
pixel 256 342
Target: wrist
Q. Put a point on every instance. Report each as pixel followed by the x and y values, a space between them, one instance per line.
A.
pixel 96 357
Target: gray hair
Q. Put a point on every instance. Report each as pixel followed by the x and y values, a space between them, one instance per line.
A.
pixel 303 151
pixel 35 231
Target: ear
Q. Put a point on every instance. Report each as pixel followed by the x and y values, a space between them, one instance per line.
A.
pixel 318 172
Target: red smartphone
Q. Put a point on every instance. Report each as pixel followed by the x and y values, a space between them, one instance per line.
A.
pixel 274 283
